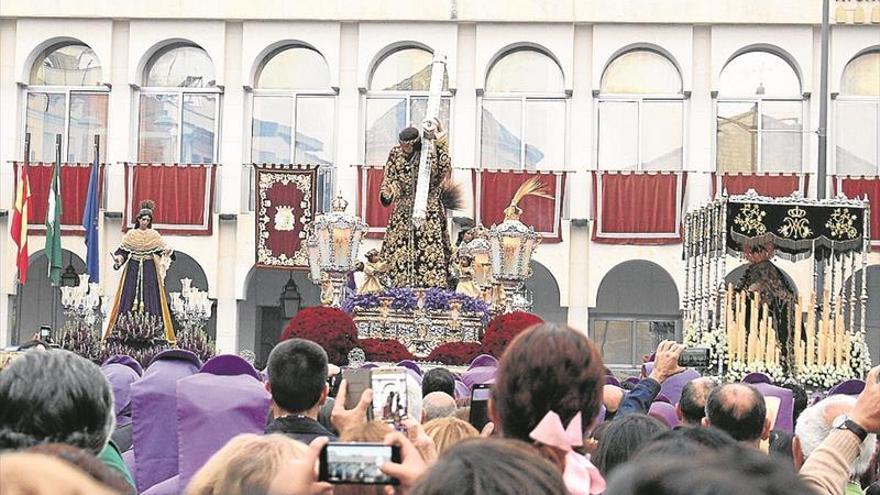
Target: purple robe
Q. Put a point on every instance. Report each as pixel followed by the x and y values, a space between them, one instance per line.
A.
pixel 480 374
pixel 222 401
pixel 121 377
pixel 154 413
pixel 785 415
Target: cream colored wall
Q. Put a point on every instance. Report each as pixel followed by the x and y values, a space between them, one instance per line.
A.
pixel 350 48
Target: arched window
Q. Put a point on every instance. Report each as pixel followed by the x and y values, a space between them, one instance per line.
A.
pixel 857 117
pixel 759 119
pixel 641 113
pixel 294 114
pixel 179 107
pixel 523 118
pixel 397 97
pixel 65 96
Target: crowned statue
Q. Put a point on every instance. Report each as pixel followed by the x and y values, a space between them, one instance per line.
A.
pixel 144 258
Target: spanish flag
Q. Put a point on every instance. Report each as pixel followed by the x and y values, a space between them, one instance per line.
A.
pixel 19 229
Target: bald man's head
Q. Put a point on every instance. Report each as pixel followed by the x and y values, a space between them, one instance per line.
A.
pixel 694 395
pixel 437 405
pixel 739 410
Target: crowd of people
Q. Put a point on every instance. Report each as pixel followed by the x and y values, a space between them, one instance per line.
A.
pixel 559 423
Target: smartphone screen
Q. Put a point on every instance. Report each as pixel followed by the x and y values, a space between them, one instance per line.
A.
pixel 694 357
pixel 357 381
pixel 389 394
pixel 357 463
pixel 479 414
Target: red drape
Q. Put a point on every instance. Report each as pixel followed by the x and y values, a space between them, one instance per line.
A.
pixel 369 207
pixel 637 208
pixel 493 190
pixel 184 196
pixel 285 205
pixel 74 188
pixel 765 184
pixel 858 187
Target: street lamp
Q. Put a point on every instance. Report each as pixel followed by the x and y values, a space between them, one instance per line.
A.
pixel 333 246
pixel 511 246
pixel 290 298
pixel 70 278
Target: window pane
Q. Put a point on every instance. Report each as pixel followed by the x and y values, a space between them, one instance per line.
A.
pixel 157 132
pixel 407 69
pixel 295 68
pixel 618 135
pixel 183 66
pixel 649 334
pixel 858 137
pixel 641 71
pixel 759 73
pixel 781 151
pixel 198 129
pixel 71 65
pixel 45 119
pixel 501 135
pixel 545 134
pixel 614 339
pixel 861 77
pixel 271 129
pixel 737 137
pixel 314 131
pixel 661 141
pixel 525 70
pixel 88 116
pixel 385 118
pixel 418 107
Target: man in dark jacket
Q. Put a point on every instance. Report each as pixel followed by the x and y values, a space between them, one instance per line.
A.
pixel 297 371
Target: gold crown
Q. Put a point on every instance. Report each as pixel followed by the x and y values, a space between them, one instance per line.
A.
pixel 797 212
pixel 339 204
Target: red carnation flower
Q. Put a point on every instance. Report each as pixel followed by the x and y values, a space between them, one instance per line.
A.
pixel 331 328
pixel 455 353
pixel 384 350
pixel 503 328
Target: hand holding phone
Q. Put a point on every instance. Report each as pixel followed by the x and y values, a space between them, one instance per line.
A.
pixel 344 417
pixel 479 412
pixel 389 394
pixel 357 463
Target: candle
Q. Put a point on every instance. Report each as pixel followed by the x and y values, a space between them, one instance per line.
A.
pixel 798 351
pixel 741 327
pixel 811 330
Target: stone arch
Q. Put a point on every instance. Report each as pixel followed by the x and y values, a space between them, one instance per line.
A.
pixel 260 315
pixel 544 290
pixel 36 296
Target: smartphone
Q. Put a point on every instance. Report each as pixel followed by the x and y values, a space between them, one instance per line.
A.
pixel 694 357
pixel 479 413
pixel 333 383
pixel 45 332
pixel 389 394
pixel 357 463
pixel 358 380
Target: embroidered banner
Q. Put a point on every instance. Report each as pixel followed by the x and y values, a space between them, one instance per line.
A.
pixel 183 193
pixel 74 189
pixel 285 206
pixel 765 184
pixel 858 188
pixel 642 208
pixel 369 208
pixel 493 190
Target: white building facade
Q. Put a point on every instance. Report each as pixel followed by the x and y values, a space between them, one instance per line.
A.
pixel 592 85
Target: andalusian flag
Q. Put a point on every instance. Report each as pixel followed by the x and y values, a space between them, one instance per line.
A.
pixel 19 229
pixel 53 226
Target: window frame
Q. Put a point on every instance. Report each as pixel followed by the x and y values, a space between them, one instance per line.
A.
pixel 326 174
pixel 66 91
pixel 524 98
pixel 759 102
pixel 633 320
pixel 408 96
pixel 868 100
pixel 640 100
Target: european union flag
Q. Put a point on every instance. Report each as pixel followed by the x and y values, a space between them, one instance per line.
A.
pixel 90 221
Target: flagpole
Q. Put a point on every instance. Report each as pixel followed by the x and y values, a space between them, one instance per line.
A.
pixel 55 288
pixel 19 287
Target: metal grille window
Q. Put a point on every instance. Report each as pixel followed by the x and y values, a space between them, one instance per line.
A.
pixel 179 111
pixel 294 111
pixel 65 96
pixel 759 115
pixel 524 113
pixel 397 97
pixel 857 117
pixel 641 113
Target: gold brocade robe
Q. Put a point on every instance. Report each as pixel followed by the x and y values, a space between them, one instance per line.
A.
pixel 416 257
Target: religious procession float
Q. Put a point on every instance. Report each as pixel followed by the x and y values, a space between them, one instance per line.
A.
pixel 760 323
